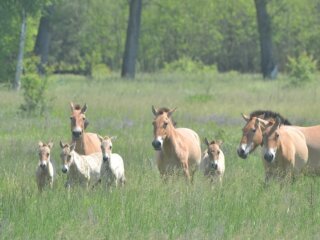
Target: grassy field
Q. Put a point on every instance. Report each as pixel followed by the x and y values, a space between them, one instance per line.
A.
pixel 146 208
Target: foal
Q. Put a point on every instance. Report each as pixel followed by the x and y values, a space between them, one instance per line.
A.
pixel 45 172
pixel 82 169
pixel 212 163
pixel 112 168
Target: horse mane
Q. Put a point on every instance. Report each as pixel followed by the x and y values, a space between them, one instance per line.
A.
pixel 270 114
pixel 77 107
pixel 163 110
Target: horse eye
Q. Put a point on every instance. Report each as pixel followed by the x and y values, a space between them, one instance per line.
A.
pixel 165 125
pixel 254 130
pixel 48 154
pixel 110 147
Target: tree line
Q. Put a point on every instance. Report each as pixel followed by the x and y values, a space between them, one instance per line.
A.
pixel 75 36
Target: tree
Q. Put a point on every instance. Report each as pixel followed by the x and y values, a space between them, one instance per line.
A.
pixel 41 47
pixel 268 66
pixel 132 39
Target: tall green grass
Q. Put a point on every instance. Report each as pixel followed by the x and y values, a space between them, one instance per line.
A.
pixel 146 208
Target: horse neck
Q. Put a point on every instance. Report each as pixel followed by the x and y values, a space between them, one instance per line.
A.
pixel 80 144
pixel 171 138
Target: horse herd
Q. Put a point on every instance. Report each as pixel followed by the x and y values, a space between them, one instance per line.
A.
pixel 287 150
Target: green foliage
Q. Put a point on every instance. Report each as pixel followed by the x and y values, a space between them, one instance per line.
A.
pixel 34 89
pixel 187 65
pixel 302 68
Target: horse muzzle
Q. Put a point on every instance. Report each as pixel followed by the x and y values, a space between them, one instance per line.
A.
pixel 157 145
pixel 242 153
pixel 105 158
pixel 64 169
pixel 269 157
pixel 76 134
pixel 43 165
pixel 214 166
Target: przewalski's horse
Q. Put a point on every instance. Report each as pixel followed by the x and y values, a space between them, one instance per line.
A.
pixel 285 151
pixel 112 168
pixel 252 137
pixel 86 142
pixel 213 163
pixel 177 148
pixel 252 131
pixel 45 171
pixel 82 170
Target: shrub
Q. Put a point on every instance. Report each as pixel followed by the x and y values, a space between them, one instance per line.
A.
pixel 186 64
pixel 34 93
pixel 301 69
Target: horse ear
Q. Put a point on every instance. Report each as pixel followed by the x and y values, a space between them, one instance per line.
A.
pixel 86 123
pixel 84 108
pixel 72 146
pixel 72 106
pixel 206 141
pixel 100 137
pixel 219 142
pixel 40 144
pixel 171 111
pixel 245 117
pixel 154 111
pixel 113 138
pixel 61 144
pixel 50 144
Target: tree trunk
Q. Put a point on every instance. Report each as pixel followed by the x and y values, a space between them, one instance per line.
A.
pixel 132 40
pixel 17 80
pixel 42 44
pixel 268 67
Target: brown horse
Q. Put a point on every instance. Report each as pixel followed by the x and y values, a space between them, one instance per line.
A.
pixel 285 151
pixel 252 137
pixel 252 131
pixel 86 143
pixel 177 148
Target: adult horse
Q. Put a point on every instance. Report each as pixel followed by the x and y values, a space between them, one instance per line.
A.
pixel 252 131
pixel 86 142
pixel 177 148
pixel 285 151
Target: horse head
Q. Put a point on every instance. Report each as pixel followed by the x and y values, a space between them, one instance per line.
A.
pixel 162 125
pixel 251 135
pixel 271 140
pixel 106 147
pixel 78 120
pixel 44 154
pixel 66 156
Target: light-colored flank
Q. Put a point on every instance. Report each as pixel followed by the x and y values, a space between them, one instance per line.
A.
pixel 112 168
pixel 86 142
pixel 44 172
pixel 213 164
pixel 82 170
pixel 176 148
pixel 285 151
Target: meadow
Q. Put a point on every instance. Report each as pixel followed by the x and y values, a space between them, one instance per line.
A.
pixel 146 208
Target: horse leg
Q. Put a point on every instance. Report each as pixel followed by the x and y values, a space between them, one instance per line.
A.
pixel 185 167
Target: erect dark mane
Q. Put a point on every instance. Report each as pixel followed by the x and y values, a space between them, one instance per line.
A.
pixel 163 110
pixel 77 107
pixel 269 114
